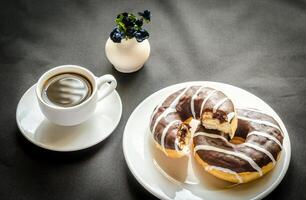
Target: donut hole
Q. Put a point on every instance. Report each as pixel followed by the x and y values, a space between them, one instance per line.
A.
pixel 241 133
pixel 242 130
pixel 237 140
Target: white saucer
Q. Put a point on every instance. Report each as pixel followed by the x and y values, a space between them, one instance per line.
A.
pixel 38 130
pixel 183 178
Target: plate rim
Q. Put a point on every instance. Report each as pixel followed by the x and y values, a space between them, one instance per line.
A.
pixel 149 188
pixel 41 145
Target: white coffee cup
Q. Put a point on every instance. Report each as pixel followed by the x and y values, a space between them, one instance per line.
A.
pixel 69 116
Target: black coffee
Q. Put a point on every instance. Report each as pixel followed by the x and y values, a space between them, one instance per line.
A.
pixel 66 90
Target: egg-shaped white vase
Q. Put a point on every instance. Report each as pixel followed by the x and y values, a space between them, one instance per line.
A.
pixel 128 55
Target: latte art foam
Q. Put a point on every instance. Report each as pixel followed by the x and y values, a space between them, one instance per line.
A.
pixel 66 90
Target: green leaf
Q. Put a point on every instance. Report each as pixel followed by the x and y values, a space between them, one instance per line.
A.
pixel 121 25
pixel 120 28
pixel 119 19
pixel 132 17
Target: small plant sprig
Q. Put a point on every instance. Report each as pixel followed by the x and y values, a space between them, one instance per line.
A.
pixel 129 26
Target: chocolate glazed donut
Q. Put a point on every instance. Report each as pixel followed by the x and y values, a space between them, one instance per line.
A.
pixel 250 154
pixel 170 119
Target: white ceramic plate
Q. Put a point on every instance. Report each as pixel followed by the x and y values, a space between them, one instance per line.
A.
pixel 38 130
pixel 183 178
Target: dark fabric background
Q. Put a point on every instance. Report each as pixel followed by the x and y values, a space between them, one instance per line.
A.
pixel 259 46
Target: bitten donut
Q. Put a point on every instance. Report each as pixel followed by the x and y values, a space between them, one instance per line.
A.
pixel 170 119
pixel 249 155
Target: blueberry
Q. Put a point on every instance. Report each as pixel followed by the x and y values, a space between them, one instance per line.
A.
pixel 146 15
pixel 139 22
pixel 127 22
pixel 141 35
pixel 130 32
pixel 116 35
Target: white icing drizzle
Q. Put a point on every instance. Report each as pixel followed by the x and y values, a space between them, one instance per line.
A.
pixel 163 136
pixel 230 116
pixel 230 144
pixel 267 123
pixel 170 109
pixel 157 108
pixel 226 170
pixel 258 148
pixel 205 100
pixel 192 101
pixel 176 144
pixel 237 154
pixel 252 109
pixel 217 105
pixel 213 136
pixel 271 137
pixel 176 100
pixel 165 113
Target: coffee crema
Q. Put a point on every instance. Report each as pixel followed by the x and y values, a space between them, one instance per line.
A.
pixel 66 90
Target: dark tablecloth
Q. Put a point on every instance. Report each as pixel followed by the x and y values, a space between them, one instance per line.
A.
pixel 259 46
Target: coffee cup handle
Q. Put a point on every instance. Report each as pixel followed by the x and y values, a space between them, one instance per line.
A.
pixel 105 79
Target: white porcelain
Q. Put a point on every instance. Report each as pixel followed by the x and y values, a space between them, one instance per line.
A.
pixel 183 178
pixel 128 55
pixel 40 131
pixel 70 116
